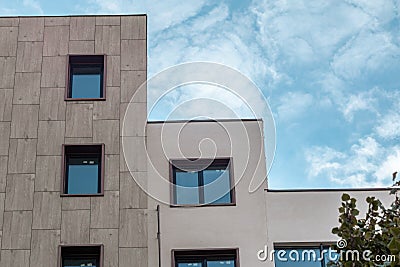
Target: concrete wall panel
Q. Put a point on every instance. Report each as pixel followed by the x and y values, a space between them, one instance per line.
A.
pixel 133 228
pixel 133 55
pixel 22 156
pixel 52 104
pixel 108 40
pixel 81 47
pixel 31 29
pixel 51 146
pixel 48 173
pixel 8 41
pixel 19 192
pixel 15 258
pixel 56 41
pixel 75 226
pixel 105 210
pixel 7 71
pixel 17 230
pixel 29 56
pixel 44 247
pixel 27 88
pixel 79 120
pixel 6 96
pixel 24 122
pixel 47 210
pixel 109 238
pixel 5 129
pixel 3 173
pixel 82 28
pixel 54 72
pixel 133 27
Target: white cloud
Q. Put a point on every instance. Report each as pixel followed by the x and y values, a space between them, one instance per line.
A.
pixel 363 101
pixel 293 104
pixel 389 126
pixel 162 14
pixel 307 30
pixel 322 159
pixel 366 52
pixel 382 10
pixel 366 164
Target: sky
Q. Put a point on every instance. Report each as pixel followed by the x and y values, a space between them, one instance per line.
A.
pixel 329 70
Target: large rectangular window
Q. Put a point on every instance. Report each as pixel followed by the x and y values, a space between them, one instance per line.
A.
pixel 202 182
pixel 318 256
pixel 78 256
pixel 86 79
pixel 83 169
pixel 206 258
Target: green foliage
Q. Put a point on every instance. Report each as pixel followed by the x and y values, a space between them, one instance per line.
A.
pixel 378 231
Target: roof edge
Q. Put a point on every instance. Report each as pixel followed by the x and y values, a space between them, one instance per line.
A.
pixel 328 190
pixel 81 15
pixel 205 120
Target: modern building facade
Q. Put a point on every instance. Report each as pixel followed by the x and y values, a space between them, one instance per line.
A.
pixel 65 194
pixel 70 195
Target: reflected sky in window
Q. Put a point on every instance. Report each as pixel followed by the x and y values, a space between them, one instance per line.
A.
pixel 221 263
pixel 83 175
pixel 187 191
pixel 191 264
pixel 298 257
pixel 79 262
pixel 86 85
pixel 217 184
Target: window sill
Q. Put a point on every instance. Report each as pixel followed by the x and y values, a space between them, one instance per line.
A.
pixel 82 195
pixel 202 205
pixel 85 99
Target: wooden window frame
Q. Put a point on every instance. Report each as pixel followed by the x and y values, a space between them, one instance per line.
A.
pixel 85 59
pixel 196 162
pixel 304 245
pixel 81 149
pixel 204 254
pixel 100 247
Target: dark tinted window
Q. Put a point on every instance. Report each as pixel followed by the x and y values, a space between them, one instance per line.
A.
pixel 196 185
pixel 80 262
pixel 83 169
pixel 212 258
pixel 304 257
pixel 86 77
pixel 78 256
pixel 187 191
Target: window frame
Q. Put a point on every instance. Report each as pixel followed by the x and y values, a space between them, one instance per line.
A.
pixel 77 246
pixel 307 245
pixel 192 162
pixel 203 254
pixel 84 59
pixel 79 148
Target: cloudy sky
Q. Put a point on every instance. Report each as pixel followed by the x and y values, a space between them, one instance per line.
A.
pixel 329 70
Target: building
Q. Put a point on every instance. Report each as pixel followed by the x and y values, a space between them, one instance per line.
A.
pixel 52 131
pixel 72 193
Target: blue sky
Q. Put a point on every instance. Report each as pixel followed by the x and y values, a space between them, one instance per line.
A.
pixel 329 69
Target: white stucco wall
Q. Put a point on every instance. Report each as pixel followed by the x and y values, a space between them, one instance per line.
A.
pixel 307 217
pixel 242 226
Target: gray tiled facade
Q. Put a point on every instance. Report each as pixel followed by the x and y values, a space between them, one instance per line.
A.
pixel 35 121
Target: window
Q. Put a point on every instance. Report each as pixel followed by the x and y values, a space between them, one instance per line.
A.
pixel 86 79
pixel 202 182
pixel 78 256
pixel 317 256
pixel 206 258
pixel 83 169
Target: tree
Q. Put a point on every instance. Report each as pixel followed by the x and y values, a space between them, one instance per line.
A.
pixel 378 232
